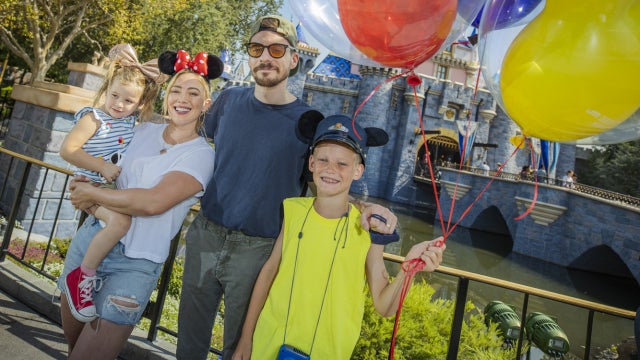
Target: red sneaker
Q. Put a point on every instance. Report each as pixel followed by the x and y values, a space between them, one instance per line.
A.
pixel 79 291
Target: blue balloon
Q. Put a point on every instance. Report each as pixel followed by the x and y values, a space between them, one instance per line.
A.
pixel 476 22
pixel 509 13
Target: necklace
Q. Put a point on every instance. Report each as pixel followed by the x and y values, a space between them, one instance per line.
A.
pixel 166 146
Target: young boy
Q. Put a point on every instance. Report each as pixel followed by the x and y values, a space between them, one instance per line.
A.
pixel 309 294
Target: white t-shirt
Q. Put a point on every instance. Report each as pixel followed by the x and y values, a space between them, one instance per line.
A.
pixel 149 237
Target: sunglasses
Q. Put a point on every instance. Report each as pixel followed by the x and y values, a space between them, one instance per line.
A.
pixel 276 51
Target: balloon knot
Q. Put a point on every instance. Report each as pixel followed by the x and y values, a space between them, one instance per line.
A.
pixel 414 80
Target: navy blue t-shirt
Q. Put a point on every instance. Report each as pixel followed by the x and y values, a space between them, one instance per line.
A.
pixel 260 158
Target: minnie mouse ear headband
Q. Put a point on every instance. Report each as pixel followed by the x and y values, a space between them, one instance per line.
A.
pixel 207 65
pixel 126 55
pixel 312 125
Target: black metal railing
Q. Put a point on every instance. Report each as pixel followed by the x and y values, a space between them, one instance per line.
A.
pixel 21 167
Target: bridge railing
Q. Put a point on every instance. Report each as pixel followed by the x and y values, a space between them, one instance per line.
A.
pixel 20 167
pixel 610 196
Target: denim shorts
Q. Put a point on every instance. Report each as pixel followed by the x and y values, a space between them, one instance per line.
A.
pixel 123 278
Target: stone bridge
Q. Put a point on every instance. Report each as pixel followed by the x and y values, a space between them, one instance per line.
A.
pixel 566 226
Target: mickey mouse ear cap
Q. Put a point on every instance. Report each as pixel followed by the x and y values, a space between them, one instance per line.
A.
pixel 340 128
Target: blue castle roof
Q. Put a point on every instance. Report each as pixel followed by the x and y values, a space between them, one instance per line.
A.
pixel 333 65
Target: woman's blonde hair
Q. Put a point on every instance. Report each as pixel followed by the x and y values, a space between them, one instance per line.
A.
pixel 131 75
pixel 207 92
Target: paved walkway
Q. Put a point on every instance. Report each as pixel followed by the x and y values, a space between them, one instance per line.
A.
pixel 25 334
pixel 30 322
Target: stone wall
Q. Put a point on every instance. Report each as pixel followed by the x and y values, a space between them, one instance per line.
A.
pixel 564 226
pixel 41 118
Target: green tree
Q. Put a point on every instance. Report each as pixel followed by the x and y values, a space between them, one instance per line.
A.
pixel 615 168
pixel 39 32
pixel 42 32
pixel 199 25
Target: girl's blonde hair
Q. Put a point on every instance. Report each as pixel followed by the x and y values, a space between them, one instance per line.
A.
pixel 131 75
pixel 207 92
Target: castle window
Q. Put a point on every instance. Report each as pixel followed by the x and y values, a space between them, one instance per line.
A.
pixel 345 106
pixel 309 98
pixel 442 72
pixel 394 101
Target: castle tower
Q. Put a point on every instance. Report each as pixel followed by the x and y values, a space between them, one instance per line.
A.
pixel 381 110
pixel 306 63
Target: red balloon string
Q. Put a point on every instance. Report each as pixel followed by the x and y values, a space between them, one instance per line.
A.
pixel 429 165
pixel 415 265
pixel 535 183
pixel 355 114
pixel 410 268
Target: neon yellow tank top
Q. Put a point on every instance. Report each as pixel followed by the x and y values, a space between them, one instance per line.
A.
pixel 340 320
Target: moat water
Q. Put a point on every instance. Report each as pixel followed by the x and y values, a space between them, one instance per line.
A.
pixel 490 254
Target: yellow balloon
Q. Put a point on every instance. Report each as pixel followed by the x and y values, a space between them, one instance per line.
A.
pixel 517 141
pixel 574 70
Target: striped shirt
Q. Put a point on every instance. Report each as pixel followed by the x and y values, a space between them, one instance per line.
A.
pixel 109 142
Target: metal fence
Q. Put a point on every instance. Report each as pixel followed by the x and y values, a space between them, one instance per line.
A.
pixel 20 167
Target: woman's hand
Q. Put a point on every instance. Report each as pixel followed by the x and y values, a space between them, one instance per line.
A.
pixel 80 197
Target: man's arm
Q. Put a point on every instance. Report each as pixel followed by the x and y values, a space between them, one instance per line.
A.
pixel 375 217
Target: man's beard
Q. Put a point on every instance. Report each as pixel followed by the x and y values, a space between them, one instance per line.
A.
pixel 268 82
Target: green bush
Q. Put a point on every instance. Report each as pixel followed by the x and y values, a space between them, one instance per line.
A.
pixel 424 331
pixel 175 282
pixel 61 246
pixel 5 91
pixel 33 253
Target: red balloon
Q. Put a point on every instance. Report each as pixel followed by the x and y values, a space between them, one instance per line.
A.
pixel 397 33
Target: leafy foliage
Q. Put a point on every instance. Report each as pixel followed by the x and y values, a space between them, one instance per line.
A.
pixel 425 329
pixel 175 282
pixel 615 168
pixel 61 246
pixel 33 252
pixel 40 33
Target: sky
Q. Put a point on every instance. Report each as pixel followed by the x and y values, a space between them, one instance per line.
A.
pixel 288 13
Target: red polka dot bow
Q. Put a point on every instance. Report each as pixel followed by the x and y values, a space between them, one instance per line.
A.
pixel 198 65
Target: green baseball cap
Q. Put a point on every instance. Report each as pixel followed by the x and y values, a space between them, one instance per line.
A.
pixel 279 25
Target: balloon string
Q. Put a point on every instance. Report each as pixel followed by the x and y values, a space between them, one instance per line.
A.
pixel 410 268
pixel 355 114
pixel 455 188
pixel 535 184
pixel 466 211
pixel 426 148
pixel 415 265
